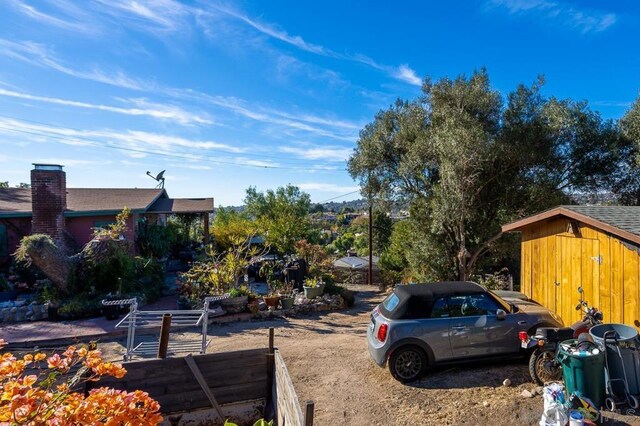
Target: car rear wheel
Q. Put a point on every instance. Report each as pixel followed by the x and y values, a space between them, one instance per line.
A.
pixel 407 363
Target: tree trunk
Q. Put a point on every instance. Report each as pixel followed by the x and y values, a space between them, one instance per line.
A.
pixel 51 260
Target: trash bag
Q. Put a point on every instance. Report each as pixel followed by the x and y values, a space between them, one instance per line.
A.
pixel 554 412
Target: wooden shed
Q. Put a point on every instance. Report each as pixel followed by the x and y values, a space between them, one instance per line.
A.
pixel 596 247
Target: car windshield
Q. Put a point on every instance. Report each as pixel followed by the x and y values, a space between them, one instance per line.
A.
pixel 391 302
pixel 509 307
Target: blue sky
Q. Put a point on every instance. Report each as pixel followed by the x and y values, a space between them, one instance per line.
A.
pixel 224 95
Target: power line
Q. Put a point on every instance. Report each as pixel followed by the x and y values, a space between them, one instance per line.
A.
pixel 187 155
pixel 339 196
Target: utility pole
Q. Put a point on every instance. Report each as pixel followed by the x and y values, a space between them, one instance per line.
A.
pixel 370 281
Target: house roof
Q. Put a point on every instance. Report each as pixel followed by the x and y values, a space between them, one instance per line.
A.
pixel 110 199
pixel 622 221
pixel 15 202
pixel 182 205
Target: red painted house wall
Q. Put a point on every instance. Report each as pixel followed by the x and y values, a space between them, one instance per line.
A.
pixel 81 228
pixel 17 228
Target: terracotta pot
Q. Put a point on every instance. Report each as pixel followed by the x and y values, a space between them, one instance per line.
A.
pixel 272 301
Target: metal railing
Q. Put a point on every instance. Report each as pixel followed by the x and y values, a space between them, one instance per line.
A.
pixel 137 319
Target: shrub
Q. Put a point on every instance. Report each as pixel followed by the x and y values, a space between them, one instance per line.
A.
pixel 45 394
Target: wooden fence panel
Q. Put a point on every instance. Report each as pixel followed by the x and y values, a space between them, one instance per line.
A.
pixel 232 377
pixel 288 409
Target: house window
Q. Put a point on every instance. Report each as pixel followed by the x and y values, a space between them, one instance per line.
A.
pixel 4 240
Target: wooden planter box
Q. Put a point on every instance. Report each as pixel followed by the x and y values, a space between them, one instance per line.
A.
pixel 243 386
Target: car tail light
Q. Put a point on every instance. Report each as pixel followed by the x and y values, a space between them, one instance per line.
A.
pixel 523 336
pixel 382 332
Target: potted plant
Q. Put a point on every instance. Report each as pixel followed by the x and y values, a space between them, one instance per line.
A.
pixel 254 304
pixel 268 270
pixel 312 288
pixel 237 301
pixel 286 296
pixel 183 303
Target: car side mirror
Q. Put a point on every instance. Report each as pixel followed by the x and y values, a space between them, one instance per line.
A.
pixel 501 314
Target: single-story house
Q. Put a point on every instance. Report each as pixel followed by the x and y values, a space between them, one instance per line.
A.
pixel 70 214
pixel 593 247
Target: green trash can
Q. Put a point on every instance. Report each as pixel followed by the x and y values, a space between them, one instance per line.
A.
pixel 583 372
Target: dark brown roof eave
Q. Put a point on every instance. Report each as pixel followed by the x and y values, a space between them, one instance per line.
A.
pixel 561 211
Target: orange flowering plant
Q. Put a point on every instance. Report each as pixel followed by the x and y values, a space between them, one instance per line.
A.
pixel 41 390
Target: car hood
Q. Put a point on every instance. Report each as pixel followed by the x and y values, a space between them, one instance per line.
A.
pixel 529 307
pixel 533 308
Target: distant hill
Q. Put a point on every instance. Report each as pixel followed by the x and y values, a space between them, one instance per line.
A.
pixel 356 206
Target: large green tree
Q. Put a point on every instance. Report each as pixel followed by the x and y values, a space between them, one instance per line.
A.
pixel 469 160
pixel 626 180
pixel 282 214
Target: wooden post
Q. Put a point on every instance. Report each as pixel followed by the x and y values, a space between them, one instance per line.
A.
pixel 270 368
pixel 271 333
pixel 165 329
pixel 206 227
pixel 308 414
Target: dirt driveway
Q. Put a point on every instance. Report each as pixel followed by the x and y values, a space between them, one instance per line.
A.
pixel 327 358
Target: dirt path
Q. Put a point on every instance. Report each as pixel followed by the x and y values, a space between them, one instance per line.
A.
pixel 328 360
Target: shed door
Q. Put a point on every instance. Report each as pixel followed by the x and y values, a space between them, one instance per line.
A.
pixel 577 265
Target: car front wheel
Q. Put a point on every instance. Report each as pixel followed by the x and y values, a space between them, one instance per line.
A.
pixel 407 363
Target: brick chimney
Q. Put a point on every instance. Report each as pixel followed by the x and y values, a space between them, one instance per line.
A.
pixel 48 201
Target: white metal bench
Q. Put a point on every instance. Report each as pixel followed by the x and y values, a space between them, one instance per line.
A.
pixel 137 319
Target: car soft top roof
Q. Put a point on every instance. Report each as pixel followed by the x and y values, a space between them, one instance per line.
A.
pixel 424 295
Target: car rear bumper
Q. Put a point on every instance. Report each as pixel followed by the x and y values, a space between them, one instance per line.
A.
pixel 377 350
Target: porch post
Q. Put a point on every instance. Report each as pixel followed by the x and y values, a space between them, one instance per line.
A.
pixel 206 227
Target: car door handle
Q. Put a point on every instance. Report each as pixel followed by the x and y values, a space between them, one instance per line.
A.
pixel 522 323
pixel 458 328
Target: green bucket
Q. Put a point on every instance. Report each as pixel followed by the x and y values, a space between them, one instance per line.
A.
pixel 583 373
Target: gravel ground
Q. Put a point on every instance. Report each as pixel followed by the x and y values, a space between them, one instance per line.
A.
pixel 328 361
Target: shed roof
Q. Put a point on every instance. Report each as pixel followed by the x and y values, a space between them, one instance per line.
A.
pixel 622 221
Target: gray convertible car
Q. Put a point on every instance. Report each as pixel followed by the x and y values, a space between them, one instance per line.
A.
pixel 420 325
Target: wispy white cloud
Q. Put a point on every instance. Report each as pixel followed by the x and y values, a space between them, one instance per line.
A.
pixel 158 16
pixel 319 153
pixel 584 20
pixel 326 187
pixel 39 55
pixel 403 72
pixel 407 74
pixel 621 104
pixel 135 141
pixel 145 108
pixel 72 162
pixel 38 15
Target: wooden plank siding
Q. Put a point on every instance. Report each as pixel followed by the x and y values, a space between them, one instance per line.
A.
pixel 555 262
